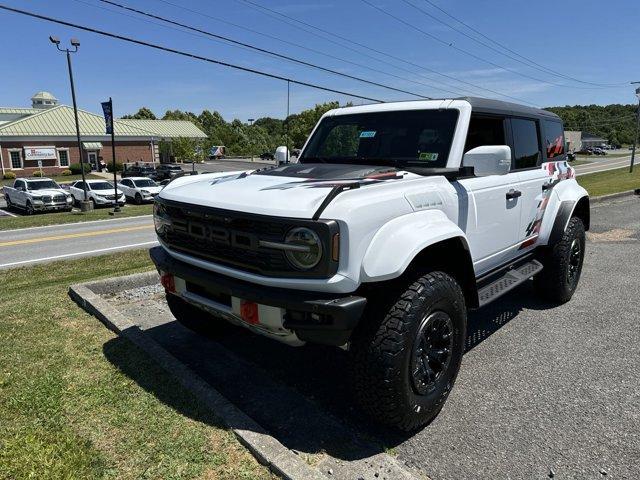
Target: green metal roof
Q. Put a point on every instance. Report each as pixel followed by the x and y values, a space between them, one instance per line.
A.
pixel 19 110
pixel 166 128
pixel 59 122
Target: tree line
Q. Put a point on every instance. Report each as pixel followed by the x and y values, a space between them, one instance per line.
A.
pixel 239 138
pixel 616 123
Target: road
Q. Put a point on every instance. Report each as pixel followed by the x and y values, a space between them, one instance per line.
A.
pixel 602 164
pixel 56 242
pixel 544 391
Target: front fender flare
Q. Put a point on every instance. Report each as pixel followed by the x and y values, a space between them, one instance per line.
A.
pixel 564 198
pixel 396 243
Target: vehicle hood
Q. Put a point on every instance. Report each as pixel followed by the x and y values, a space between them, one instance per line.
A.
pixel 295 190
pixel 47 192
pixel 104 193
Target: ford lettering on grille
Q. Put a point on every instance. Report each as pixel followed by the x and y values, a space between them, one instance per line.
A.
pixel 223 236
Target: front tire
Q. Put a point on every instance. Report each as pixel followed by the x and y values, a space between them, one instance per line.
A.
pixel 194 318
pixel 138 199
pixel 562 265
pixel 406 362
pixel 29 208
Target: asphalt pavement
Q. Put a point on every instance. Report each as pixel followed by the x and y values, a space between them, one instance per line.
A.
pixel 56 242
pixel 544 391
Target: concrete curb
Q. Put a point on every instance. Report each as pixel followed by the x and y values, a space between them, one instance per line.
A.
pixel 264 447
pixel 612 196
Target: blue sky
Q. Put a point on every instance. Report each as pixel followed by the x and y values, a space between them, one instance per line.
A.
pixel 592 41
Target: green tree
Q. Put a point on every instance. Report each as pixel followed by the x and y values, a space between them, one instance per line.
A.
pixel 143 114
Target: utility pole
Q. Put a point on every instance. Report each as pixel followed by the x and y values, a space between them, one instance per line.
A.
pixel 635 140
pixel 85 205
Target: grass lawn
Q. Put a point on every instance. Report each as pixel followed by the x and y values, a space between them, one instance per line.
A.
pixel 40 219
pixel 76 401
pixel 611 181
pixel 55 178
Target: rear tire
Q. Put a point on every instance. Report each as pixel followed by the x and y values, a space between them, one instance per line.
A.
pixel 194 318
pixel 406 362
pixel 562 265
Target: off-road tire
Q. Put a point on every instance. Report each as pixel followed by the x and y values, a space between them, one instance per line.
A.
pixel 555 283
pixel 194 318
pixel 383 350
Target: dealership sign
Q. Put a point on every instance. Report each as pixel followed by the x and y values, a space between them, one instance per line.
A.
pixel 40 153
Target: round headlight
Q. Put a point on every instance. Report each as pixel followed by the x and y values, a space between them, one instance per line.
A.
pixel 310 252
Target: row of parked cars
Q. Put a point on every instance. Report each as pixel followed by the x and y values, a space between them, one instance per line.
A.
pixel 45 195
pixel 139 184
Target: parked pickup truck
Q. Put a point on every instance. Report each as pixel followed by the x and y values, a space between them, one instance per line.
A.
pixel 398 219
pixel 37 195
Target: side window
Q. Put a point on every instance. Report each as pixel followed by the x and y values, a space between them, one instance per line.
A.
pixel 526 143
pixel 126 182
pixel 18 184
pixel 485 131
pixel 554 139
pixel 80 185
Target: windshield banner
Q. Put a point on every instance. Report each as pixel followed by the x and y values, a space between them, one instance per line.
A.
pixel 40 153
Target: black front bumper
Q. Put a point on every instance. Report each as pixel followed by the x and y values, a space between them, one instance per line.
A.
pixel 315 317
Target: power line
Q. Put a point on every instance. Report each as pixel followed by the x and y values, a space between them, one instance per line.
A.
pixel 297 24
pixel 510 50
pixel 262 50
pixel 182 53
pixel 461 50
pixel 318 52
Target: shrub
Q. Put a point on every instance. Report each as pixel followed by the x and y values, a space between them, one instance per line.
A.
pixel 66 172
pixel 9 175
pixel 76 169
pixel 118 167
pixel 38 173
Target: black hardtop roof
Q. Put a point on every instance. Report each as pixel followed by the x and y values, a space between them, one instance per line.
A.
pixel 488 105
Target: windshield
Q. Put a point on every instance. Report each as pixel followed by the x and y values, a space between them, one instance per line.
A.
pixel 100 186
pixel 41 184
pixel 418 138
pixel 145 183
pixel 173 167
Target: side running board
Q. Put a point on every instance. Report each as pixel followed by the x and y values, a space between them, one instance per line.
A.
pixel 508 281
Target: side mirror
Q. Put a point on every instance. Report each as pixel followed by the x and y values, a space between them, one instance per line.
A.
pixel 282 155
pixel 488 160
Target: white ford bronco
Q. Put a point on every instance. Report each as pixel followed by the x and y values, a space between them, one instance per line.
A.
pixel 397 220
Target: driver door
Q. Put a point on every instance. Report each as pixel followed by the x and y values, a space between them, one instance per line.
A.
pixel 488 211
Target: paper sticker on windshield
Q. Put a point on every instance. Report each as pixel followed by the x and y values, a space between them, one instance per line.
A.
pixel 428 157
pixel 368 134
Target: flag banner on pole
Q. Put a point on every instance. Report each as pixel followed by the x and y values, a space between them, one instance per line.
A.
pixel 107 108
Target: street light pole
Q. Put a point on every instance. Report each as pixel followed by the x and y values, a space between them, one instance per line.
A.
pixel 251 120
pixel 635 140
pixel 85 205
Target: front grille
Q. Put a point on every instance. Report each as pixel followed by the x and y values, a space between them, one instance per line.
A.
pixel 46 198
pixel 186 236
pixel 60 198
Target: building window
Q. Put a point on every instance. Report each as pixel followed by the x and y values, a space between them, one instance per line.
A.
pixel 16 159
pixel 63 155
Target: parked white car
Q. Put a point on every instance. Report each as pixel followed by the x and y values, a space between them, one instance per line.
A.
pixel 139 189
pixel 100 192
pixel 37 195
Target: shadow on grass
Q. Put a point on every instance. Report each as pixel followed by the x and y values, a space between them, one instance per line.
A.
pixel 302 396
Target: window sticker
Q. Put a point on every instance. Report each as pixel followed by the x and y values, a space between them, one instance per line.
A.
pixel 429 157
pixel 368 134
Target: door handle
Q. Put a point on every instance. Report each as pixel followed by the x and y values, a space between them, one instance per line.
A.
pixel 511 194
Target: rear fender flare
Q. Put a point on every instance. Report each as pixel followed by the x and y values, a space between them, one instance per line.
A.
pixel 566 196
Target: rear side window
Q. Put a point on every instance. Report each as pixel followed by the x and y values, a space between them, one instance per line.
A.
pixel 553 139
pixel 526 143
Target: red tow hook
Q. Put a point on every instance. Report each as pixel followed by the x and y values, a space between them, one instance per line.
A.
pixel 168 281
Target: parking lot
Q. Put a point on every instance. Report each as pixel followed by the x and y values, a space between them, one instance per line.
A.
pixel 543 391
